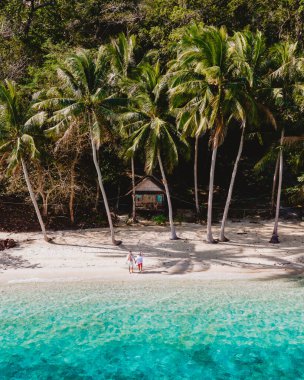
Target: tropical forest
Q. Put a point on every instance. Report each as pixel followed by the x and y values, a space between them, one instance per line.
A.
pixel 206 96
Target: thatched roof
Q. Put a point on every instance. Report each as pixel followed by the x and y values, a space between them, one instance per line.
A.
pixel 149 184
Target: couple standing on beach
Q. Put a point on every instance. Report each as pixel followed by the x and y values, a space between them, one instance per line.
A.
pixel 131 260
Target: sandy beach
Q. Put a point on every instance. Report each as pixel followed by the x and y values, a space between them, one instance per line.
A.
pixel 86 255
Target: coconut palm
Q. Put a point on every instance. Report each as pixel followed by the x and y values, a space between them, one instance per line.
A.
pixel 284 83
pixel 84 95
pixel 153 126
pixel 121 53
pixel 247 54
pixel 188 99
pixel 189 112
pixel 204 51
pixel 17 143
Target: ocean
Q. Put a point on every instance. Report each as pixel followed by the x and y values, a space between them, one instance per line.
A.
pixel 166 329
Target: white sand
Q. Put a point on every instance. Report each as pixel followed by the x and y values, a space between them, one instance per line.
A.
pixel 88 255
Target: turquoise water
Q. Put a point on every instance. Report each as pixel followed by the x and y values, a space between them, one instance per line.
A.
pixel 152 330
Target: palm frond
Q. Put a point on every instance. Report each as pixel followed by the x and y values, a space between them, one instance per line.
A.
pixel 37 120
pixel 30 146
pixel 293 140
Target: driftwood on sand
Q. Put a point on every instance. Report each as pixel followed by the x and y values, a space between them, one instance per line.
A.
pixel 6 244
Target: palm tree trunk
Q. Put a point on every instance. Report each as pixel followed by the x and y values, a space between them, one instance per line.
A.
pixel 195 176
pixel 32 195
pixel 97 195
pixel 210 197
pixel 275 237
pixel 117 198
pixel 173 233
pixel 275 178
pixel 44 205
pixel 133 191
pixel 104 196
pixel 72 189
pixel 229 196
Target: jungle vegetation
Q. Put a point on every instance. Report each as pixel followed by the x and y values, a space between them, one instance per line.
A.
pixel 208 95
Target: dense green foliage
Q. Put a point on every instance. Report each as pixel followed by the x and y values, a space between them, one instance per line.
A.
pixel 32 29
pixel 148 92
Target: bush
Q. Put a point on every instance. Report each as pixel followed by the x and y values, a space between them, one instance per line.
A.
pixel 159 219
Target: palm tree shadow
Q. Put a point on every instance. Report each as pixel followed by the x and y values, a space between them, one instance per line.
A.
pixel 8 261
pixel 107 246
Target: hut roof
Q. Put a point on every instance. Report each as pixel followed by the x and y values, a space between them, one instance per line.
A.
pixel 149 184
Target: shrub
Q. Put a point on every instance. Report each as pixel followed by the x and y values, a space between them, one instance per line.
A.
pixel 159 219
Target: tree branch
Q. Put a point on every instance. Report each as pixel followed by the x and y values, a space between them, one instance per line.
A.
pixel 33 9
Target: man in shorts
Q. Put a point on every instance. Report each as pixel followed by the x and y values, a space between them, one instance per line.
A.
pixel 130 261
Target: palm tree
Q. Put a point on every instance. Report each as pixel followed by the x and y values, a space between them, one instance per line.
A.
pixel 247 58
pixel 204 51
pixel 188 99
pixel 284 82
pixel 196 146
pixel 121 51
pixel 153 127
pixel 275 237
pixel 16 141
pixel 188 109
pixel 274 154
pixel 84 96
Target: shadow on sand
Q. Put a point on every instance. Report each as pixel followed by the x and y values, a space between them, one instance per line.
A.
pixel 190 254
pixel 9 261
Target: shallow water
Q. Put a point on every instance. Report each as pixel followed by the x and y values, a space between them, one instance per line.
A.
pixel 152 330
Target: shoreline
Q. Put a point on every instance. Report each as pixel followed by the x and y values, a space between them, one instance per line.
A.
pixel 87 255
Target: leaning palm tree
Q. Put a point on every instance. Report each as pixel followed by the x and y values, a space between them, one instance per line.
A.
pixel 284 82
pixel 188 91
pixel 189 110
pixel 84 96
pixel 16 141
pixel 154 131
pixel 121 54
pixel 247 54
pixel 204 51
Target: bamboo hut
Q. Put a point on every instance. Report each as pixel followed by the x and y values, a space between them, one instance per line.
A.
pixel 149 194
